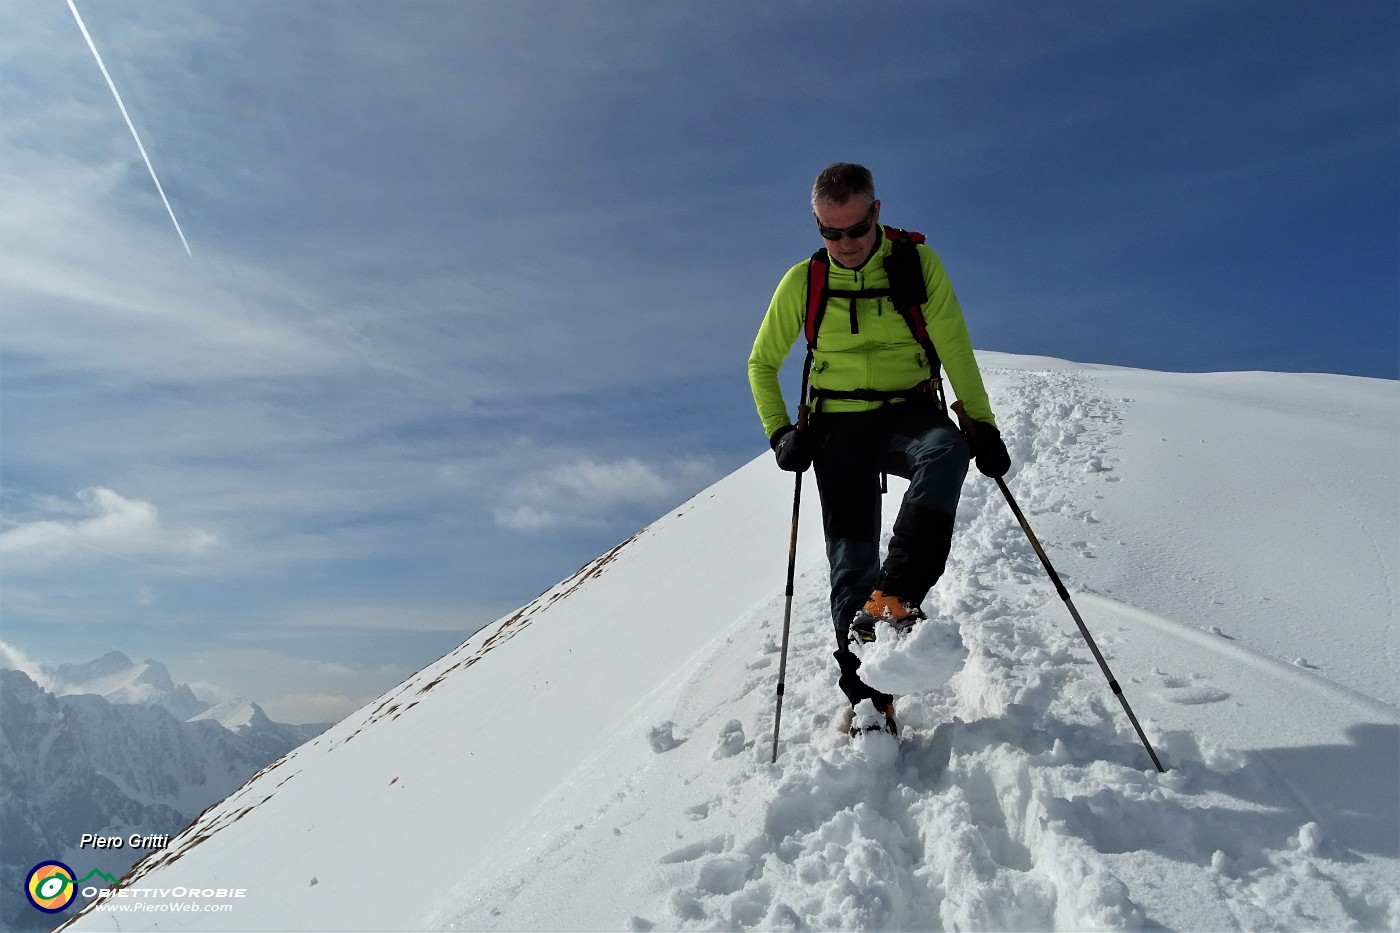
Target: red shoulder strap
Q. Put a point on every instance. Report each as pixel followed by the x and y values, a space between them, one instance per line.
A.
pixel 896 234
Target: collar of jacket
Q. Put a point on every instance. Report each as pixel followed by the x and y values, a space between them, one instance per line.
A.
pixel 880 242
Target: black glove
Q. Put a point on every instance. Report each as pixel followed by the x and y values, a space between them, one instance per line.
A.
pixel 792 448
pixel 993 459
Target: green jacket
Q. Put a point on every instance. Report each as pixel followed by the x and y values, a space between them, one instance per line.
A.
pixel 881 355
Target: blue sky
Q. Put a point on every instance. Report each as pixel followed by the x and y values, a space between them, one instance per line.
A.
pixel 471 285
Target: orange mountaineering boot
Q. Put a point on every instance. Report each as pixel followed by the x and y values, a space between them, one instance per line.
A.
pixel 883 607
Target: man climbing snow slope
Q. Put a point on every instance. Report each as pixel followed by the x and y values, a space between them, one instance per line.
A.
pixel 881 320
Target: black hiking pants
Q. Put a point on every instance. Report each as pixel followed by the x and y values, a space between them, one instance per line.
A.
pixel 913 440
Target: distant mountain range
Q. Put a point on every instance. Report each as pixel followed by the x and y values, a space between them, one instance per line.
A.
pixel 114 747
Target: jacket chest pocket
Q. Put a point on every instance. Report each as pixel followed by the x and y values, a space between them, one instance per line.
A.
pixel 871 327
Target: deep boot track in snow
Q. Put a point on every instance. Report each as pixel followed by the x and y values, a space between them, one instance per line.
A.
pixel 1017 796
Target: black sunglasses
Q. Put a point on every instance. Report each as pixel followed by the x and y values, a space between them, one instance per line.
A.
pixel 855 231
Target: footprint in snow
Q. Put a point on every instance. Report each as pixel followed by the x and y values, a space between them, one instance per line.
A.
pixel 662 738
pixel 1188 691
pixel 1195 695
pixel 695 850
pixel 700 811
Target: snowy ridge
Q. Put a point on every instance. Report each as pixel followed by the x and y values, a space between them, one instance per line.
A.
pixel 237 715
pixel 599 760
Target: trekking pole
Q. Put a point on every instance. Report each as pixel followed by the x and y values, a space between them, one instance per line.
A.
pixel 1069 603
pixel 791 573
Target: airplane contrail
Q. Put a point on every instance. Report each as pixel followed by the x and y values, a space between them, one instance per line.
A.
pixel 122 107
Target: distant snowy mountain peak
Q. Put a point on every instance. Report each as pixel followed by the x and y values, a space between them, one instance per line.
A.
pixel 118 679
pixel 113 662
pixel 114 747
pixel 236 715
pixel 600 759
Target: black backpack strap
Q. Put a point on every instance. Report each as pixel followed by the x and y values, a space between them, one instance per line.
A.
pixel 908 293
pixel 905 271
pixel 818 268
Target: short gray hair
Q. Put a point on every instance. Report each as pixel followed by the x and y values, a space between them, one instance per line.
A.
pixel 839 182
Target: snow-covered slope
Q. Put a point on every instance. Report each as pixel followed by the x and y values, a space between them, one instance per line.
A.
pixel 600 759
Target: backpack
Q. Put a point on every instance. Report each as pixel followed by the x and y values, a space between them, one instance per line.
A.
pixel 906 292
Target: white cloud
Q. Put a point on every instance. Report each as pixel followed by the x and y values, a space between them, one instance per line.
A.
pixel 289 689
pixel 586 492
pixel 312 707
pixel 104 525
pixel 85 293
pixel 11 658
pixel 525 518
pixel 211 693
pixel 395 618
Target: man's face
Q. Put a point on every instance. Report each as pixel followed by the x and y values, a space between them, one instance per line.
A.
pixel 856 212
